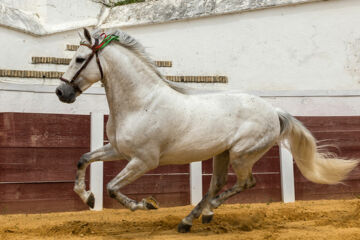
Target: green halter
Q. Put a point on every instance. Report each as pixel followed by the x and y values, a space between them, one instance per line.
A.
pixel 106 41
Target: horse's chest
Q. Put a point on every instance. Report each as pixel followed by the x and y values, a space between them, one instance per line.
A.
pixel 111 131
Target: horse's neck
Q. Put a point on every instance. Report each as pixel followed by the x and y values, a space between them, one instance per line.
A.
pixel 130 84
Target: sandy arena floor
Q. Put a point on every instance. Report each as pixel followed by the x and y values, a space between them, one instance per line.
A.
pixel 301 220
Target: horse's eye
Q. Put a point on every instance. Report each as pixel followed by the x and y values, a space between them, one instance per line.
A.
pixel 80 59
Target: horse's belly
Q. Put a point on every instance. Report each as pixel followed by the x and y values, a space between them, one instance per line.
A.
pixel 189 155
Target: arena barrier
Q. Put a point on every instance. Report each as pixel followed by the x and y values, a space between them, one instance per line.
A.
pixel 39 153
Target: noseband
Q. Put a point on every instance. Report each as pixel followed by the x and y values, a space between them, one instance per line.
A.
pixel 95 49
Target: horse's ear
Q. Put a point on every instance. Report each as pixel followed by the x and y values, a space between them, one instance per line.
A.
pixel 81 35
pixel 87 35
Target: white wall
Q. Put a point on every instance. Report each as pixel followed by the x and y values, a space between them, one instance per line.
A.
pixel 20 101
pixel 313 46
pixel 285 51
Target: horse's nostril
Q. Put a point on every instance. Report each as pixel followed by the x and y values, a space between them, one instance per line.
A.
pixel 59 93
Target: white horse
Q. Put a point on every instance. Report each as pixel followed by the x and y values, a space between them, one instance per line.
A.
pixel 155 122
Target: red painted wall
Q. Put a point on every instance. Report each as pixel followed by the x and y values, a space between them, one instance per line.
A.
pixel 344 132
pixel 267 174
pixel 38 156
pixel 39 152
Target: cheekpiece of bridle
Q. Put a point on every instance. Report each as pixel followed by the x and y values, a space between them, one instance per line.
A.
pixel 95 49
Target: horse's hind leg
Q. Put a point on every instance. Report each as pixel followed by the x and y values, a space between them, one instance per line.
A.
pixel 105 153
pixel 218 180
pixel 242 166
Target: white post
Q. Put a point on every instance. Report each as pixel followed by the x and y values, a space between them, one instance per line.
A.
pixel 287 175
pixel 195 183
pixel 96 168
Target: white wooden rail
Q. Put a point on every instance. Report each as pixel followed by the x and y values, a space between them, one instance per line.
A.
pixel 97 168
pixel 196 190
pixel 287 175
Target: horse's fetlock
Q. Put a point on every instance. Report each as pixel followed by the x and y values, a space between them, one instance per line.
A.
pixel 215 203
pixel 134 206
pixel 111 191
pixel 78 189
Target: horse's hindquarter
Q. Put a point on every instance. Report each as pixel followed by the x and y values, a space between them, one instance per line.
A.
pixel 213 123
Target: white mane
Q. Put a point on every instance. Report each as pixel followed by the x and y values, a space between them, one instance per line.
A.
pixel 132 44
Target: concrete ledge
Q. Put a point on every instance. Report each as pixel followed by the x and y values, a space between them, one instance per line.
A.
pixel 35 88
pixel 148 12
pixel 171 10
pixel 31 23
pixel 20 20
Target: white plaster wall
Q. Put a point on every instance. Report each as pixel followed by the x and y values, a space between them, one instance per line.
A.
pixel 93 101
pixel 313 46
pixel 14 101
pixel 18 48
pixel 70 11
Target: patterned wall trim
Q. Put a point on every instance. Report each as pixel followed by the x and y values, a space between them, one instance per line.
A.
pixel 66 61
pixel 55 75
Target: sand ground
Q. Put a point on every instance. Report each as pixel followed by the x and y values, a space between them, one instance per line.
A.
pixel 326 219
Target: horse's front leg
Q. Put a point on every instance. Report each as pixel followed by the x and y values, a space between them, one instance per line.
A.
pixel 133 170
pixel 105 153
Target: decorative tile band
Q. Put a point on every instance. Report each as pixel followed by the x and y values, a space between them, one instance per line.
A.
pixel 66 61
pixel 55 75
pixel 163 63
pixel 29 74
pixel 71 47
pixel 198 79
pixel 50 60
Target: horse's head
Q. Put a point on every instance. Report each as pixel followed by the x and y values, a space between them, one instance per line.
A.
pixel 83 71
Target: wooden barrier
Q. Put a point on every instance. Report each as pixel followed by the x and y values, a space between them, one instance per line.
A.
pixel 39 152
pixel 267 174
pixel 38 156
pixel 344 132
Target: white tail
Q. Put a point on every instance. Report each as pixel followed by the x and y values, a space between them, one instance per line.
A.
pixel 315 166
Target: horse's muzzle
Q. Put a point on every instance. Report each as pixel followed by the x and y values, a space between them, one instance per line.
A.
pixel 66 93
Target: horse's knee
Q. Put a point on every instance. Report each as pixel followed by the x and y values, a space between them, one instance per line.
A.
pixel 84 159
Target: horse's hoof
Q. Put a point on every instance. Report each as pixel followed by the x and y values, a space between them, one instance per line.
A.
pixel 91 200
pixel 207 218
pixel 151 203
pixel 183 227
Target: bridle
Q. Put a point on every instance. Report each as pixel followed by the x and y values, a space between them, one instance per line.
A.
pixel 95 50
